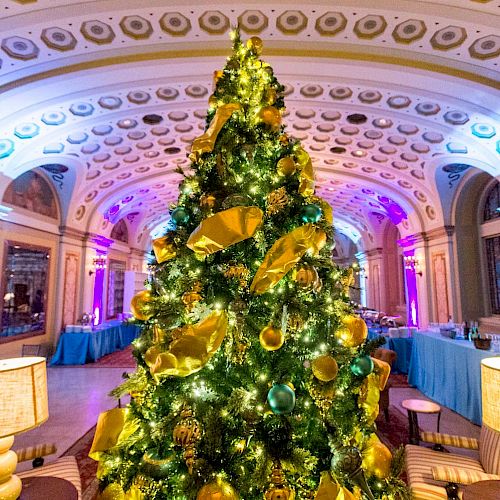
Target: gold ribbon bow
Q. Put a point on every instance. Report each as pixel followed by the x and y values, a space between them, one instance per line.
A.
pixel 331 490
pixel 112 429
pixel 370 389
pixel 225 229
pixel 284 254
pixel 164 249
pixel 205 143
pixel 306 187
pixel 192 350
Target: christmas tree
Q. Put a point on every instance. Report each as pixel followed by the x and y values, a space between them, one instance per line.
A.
pixel 254 378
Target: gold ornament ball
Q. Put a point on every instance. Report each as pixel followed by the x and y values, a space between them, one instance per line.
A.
pixel 286 166
pixel 270 116
pixel 354 332
pixel 255 45
pixel 112 491
pixel 325 368
pixel 377 460
pixel 139 305
pixel 271 338
pixel 212 101
pixel 306 276
pixel 271 96
pixel 217 490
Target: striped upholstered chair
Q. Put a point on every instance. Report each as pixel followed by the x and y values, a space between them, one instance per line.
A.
pixel 63 468
pixel 432 473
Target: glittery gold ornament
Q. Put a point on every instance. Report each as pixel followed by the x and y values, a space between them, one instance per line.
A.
pixel 140 305
pixel 186 434
pixel 255 45
pixel 278 489
pixel 277 200
pixel 271 338
pixel 271 117
pixel 207 201
pixel 238 271
pixel 217 490
pixel 325 368
pixel 354 331
pixel 189 299
pixel 306 276
pixel 286 166
pixel 376 458
pixel 283 138
pixel 271 95
pixel 295 322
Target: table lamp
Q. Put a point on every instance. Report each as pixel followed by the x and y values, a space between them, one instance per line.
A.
pixel 23 406
pixel 490 387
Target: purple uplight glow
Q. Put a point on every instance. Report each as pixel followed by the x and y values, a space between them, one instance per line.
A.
pixel 97 304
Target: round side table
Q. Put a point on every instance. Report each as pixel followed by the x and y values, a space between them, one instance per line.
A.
pixel 485 490
pixel 47 488
pixel 414 407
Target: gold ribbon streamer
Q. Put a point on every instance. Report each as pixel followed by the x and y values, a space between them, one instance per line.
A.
pixel 192 350
pixel 284 254
pixel 205 143
pixel 112 429
pixel 164 249
pixel 370 389
pixel 331 490
pixel 306 187
pixel 225 229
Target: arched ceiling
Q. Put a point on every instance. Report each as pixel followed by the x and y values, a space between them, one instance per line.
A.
pixel 382 94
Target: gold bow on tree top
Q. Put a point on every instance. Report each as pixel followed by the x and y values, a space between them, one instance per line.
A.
pixel 285 253
pixel 224 229
pixel 191 350
pixel 206 142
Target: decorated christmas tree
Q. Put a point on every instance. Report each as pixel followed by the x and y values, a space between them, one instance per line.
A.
pixel 254 378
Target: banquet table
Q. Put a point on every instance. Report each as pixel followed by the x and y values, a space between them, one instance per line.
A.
pixel 449 372
pixel 87 347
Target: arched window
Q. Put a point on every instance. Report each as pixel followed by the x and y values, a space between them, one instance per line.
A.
pixel 32 192
pixel 492 204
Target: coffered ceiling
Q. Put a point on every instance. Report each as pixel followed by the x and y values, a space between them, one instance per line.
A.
pixel 108 96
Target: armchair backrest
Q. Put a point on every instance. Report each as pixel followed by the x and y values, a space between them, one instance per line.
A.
pixel 386 355
pixel 489 450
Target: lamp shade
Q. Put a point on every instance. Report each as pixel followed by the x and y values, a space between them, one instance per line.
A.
pixel 23 394
pixel 490 388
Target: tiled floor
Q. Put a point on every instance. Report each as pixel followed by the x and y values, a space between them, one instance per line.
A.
pixel 78 395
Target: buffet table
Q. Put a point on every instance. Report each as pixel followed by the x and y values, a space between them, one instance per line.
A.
pixel 87 347
pixel 449 372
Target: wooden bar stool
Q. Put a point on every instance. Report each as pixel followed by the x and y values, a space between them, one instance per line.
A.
pixel 414 407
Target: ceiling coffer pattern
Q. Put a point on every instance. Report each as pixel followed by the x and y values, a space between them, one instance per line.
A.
pixel 374 147
pixel 385 30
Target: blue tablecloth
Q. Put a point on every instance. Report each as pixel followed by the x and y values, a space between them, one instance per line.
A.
pixel 402 347
pixel 449 372
pixel 81 348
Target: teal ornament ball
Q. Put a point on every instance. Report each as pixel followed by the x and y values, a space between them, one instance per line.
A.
pixel 362 366
pixel 281 399
pixel 311 213
pixel 180 216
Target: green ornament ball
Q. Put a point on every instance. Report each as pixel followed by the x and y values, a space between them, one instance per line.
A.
pixel 362 366
pixel 311 213
pixel 180 216
pixel 281 399
pixel 346 460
